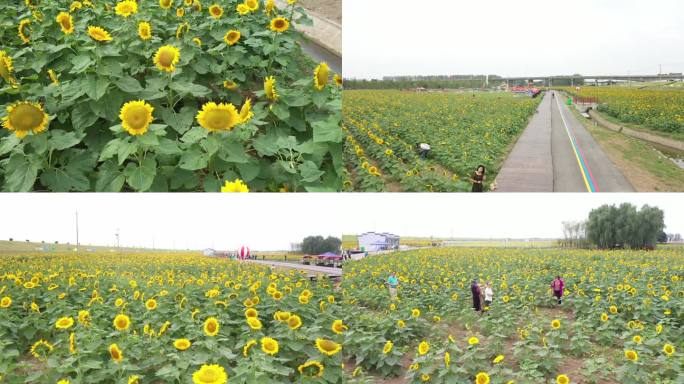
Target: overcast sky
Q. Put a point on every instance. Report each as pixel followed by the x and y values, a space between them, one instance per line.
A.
pixel 273 221
pixel 512 38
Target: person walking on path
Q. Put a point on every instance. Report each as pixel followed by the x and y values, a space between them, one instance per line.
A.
pixel 477 296
pixel 392 284
pixel 557 285
pixel 488 294
pixel 478 179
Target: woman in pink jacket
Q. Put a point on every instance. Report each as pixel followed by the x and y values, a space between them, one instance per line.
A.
pixel 557 285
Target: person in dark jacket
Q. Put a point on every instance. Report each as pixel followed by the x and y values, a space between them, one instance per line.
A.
pixel 477 296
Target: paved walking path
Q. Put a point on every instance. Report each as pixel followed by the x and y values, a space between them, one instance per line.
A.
pixel 312 269
pixel 556 153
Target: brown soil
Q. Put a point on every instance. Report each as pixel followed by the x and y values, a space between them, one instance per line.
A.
pixel 330 9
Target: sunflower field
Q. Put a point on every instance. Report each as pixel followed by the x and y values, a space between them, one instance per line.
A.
pixel 164 95
pixel 659 109
pixel 463 131
pixel 184 318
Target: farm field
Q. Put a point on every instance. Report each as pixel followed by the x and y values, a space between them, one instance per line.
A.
pixel 181 318
pixel 659 109
pixel 464 130
pixel 167 95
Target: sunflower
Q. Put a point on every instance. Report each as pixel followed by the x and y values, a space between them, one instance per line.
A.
pixel 242 9
pixel 388 347
pixel 613 309
pixel 562 379
pixel 247 347
pixel 631 355
pixel 126 8
pixel 473 340
pixel 133 379
pixel 180 12
pixel 72 343
pixel 165 4
pixel 636 339
pixel 669 349
pixel 277 295
pixel 216 11
pixel 251 312
pixel 197 41
pixel 254 323
pixel 210 374
pixel 227 84
pixel 270 88
pixel 482 378
pixel 401 323
pixel 188 3
pixel 99 34
pixel 41 348
pixel 84 317
pixel 294 322
pixel 498 359
pixel 269 7
pixel 604 316
pixel 24 31
pixel 24 117
pixel 339 327
pixel 447 359
pixel 218 117
pixel 281 316
pixel 53 77
pixel 5 302
pixel 151 304
pixel 423 347
pixel 338 80
pixel 269 345
pixel 182 28
pixel 6 67
pixel 555 324
pixel 66 22
pixel 182 344
pixel 415 312
pixel 321 74
pixel 389 152
pixel 253 5
pixel 311 368
pixel 328 347
pixel 144 30
pixel 211 326
pixel 116 353
pixel 166 58
pixel 64 323
pixel 136 117
pixel 232 37
pixel 118 302
pixel 279 24
pixel 246 113
pixel 122 322
pixel 197 5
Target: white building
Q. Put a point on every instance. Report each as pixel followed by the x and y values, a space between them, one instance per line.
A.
pixel 373 242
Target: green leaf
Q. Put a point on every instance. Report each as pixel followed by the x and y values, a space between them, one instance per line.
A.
pixel 149 139
pixel 265 145
pixel 129 85
pixel 141 176
pixel 212 184
pixel 310 171
pixel 82 116
pixel 249 171
pixel 181 121
pixel 193 159
pixel 194 135
pixel 96 87
pixel 39 142
pixel 21 173
pixel 60 139
pixel 109 178
pixel 80 63
pixel 281 111
pixel 186 87
pixel 327 130
pixel 168 147
pixel 8 143
pixel 110 149
pixel 125 149
pixel 233 152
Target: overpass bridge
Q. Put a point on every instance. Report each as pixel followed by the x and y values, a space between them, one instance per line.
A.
pixel 549 80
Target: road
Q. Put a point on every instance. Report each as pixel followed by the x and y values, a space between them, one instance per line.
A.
pixel 556 153
pixel 311 269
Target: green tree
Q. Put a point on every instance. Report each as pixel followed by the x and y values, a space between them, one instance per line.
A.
pixel 611 227
pixel 314 245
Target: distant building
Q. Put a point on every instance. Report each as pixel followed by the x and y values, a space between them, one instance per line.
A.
pixel 372 241
pixel 209 252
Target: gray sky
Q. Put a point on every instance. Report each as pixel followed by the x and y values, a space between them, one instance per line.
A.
pixel 512 38
pixel 273 221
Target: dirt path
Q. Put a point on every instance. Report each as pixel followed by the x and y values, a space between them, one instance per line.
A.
pixel 330 9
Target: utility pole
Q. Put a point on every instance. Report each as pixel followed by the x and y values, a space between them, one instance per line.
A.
pixel 117 239
pixel 77 242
